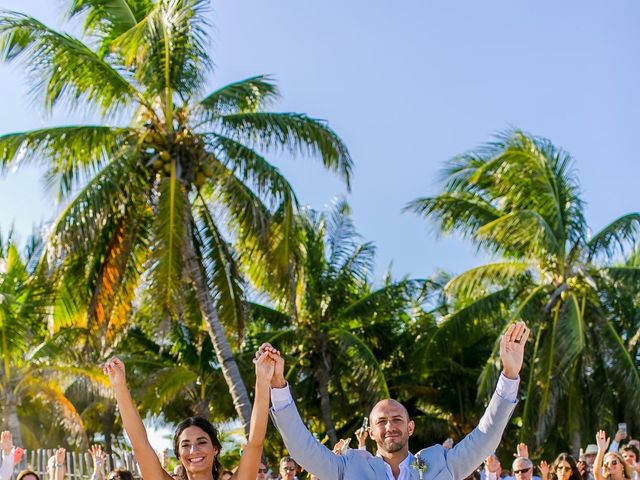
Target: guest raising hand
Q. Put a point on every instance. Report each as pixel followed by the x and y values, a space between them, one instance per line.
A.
pixel 6 444
pixel 609 465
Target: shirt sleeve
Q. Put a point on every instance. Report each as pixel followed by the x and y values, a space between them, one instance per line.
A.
pixel 507 389
pixel 6 469
pixel 281 398
pixel 614 446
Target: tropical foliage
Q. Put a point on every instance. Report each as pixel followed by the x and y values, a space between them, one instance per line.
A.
pixel 158 196
pixel 518 199
pixel 331 329
pixel 36 372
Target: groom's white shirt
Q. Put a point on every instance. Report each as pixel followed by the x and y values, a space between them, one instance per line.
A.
pixel 405 468
pixel 506 389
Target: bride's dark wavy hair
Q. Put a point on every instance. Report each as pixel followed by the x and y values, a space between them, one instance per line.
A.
pixel 206 426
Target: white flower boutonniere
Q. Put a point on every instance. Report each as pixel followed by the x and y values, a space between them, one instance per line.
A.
pixel 420 465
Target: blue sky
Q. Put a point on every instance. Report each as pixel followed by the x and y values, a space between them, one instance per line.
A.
pixel 408 85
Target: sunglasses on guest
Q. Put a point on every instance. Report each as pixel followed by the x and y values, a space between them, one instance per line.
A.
pixel 613 463
pixel 523 470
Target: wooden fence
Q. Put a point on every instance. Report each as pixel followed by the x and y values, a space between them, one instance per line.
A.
pixel 79 465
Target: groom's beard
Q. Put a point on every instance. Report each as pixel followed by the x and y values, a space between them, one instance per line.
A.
pixel 392 445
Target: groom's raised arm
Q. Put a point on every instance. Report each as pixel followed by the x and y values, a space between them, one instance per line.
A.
pixel 469 453
pixel 303 447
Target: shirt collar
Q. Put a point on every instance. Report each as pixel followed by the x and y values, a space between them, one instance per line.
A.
pixel 404 463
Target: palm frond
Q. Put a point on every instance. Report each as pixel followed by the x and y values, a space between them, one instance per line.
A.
pixel 362 364
pixel 62 66
pixel 246 96
pixel 294 132
pixel 251 168
pixel 108 19
pixel 625 275
pixel 461 212
pixel 615 238
pixel 168 49
pixel 221 266
pixel 625 373
pixel 394 296
pixel 484 276
pixel 523 233
pixel 68 416
pixel 105 196
pixel 169 241
pixel 341 236
pixel 467 324
pixel 169 383
pixel 72 154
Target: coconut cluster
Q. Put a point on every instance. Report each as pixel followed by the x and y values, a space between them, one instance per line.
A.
pixel 183 147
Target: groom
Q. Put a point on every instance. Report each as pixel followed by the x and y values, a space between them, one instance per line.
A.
pixel 390 427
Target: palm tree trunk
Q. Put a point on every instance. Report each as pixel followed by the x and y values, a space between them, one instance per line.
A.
pixel 322 377
pixel 108 420
pixel 230 369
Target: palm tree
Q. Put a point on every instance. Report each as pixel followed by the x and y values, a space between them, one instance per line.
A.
pixel 328 331
pixel 34 370
pixel 518 199
pixel 155 197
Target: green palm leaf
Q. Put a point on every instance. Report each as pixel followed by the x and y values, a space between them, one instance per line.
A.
pixel 292 131
pixel 248 95
pixel 251 168
pixel 615 237
pixel 222 271
pixel 479 278
pixel 109 19
pixel 62 66
pixel 520 233
pixel 72 153
pixel 78 227
pixel 462 212
pixel 362 364
pixel 168 49
pixel 169 234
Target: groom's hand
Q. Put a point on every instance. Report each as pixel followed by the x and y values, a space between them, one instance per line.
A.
pixel 278 380
pixel 512 349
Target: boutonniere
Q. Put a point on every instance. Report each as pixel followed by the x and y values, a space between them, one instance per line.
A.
pixel 420 465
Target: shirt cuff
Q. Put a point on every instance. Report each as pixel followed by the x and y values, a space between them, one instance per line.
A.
pixel 507 389
pixel 363 447
pixel 281 398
